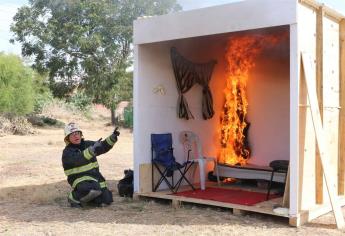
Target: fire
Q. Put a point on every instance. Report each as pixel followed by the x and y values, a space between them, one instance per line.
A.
pixel 240 56
pixel 229 180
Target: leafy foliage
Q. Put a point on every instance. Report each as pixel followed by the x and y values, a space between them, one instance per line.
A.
pixel 84 43
pixel 81 101
pixel 16 86
pixel 41 100
pixel 128 114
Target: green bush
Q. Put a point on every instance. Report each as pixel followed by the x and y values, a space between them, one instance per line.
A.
pixel 128 115
pixel 81 101
pixel 42 100
pixel 16 86
pixel 61 89
pixel 43 121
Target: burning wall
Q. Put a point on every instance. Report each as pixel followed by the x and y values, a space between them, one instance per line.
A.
pixel 240 56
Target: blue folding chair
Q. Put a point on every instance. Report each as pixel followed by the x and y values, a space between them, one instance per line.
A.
pixel 163 160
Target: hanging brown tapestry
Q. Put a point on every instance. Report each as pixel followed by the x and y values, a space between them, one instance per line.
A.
pixel 187 74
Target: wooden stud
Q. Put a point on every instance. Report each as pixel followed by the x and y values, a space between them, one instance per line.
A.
pixel 286 198
pixel 295 221
pixel 330 13
pixel 175 204
pixel 341 162
pixel 320 137
pixel 136 197
pixel 145 176
pixel 239 212
pixel 319 90
pixel 303 132
pixel 299 220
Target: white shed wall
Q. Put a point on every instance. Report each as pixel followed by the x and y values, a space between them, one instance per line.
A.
pixel 156 112
pixel 231 17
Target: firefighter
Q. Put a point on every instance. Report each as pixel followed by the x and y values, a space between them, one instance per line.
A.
pixel 81 167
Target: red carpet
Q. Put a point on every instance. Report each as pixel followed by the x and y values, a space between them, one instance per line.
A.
pixel 235 196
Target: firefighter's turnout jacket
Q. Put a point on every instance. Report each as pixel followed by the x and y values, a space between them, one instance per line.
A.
pixel 80 164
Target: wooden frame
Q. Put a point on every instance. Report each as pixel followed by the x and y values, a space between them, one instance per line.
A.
pixel 320 136
pixel 319 88
pixel 341 170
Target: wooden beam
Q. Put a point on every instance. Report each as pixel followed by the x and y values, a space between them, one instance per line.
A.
pixel 286 196
pixel 341 162
pixel 319 91
pixel 307 68
pixel 145 176
pixel 299 220
pixel 329 12
pixel 176 204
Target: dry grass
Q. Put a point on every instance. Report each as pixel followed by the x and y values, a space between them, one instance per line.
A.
pixel 33 192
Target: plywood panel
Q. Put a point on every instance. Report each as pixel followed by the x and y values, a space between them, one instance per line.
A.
pixel 321 140
pixel 331 93
pixel 145 176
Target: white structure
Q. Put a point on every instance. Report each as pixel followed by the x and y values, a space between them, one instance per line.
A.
pixel 279 110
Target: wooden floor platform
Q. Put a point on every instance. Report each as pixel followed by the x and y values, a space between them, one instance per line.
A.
pixel 265 207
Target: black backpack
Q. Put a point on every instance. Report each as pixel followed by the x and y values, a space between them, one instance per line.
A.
pixel 125 185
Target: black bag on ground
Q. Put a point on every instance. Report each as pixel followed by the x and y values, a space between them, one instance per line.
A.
pixel 125 185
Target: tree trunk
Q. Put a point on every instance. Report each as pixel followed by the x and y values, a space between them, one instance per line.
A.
pixel 113 120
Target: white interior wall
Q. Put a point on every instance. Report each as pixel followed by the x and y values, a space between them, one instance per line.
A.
pixel 268 110
pixel 157 112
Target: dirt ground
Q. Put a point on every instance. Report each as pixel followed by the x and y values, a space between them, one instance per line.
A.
pixel 33 191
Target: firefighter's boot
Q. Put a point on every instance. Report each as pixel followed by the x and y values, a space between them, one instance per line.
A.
pixel 90 196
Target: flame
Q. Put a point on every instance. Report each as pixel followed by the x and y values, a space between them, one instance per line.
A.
pixel 240 56
pixel 229 180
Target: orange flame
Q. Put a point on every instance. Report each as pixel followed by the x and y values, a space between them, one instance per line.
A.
pixel 240 55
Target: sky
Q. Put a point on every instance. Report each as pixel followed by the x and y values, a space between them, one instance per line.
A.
pixel 8 9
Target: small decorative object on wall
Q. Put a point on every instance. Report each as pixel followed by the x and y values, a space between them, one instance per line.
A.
pixel 187 74
pixel 159 90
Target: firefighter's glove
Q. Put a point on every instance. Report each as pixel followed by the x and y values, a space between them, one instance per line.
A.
pixel 96 147
pixel 115 134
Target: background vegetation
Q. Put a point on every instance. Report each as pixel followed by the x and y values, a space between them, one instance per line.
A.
pixel 81 53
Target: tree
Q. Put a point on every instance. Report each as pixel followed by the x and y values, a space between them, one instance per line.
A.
pixel 84 43
pixel 16 86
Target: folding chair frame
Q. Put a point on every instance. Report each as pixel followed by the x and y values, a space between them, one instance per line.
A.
pixel 163 171
pixel 188 165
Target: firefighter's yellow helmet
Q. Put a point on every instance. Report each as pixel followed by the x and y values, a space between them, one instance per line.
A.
pixel 70 128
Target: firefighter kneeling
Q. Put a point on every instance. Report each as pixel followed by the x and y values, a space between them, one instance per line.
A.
pixel 81 167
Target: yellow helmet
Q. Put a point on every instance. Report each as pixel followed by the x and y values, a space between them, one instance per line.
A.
pixel 70 128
